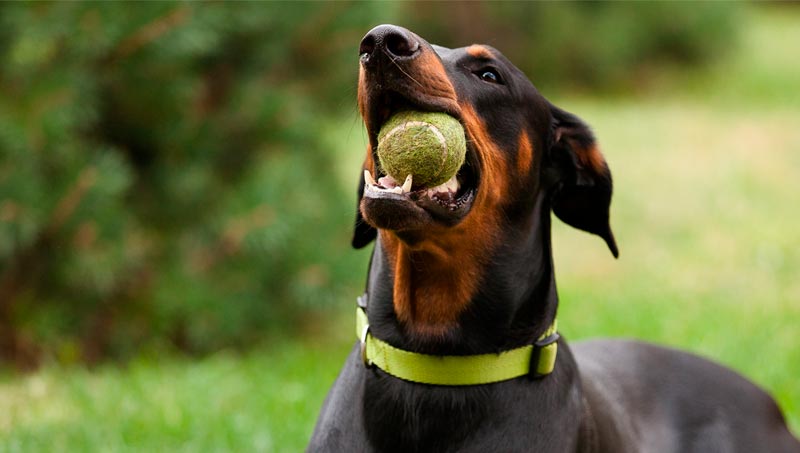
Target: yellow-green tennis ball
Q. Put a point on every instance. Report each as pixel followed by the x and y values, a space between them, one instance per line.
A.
pixel 430 146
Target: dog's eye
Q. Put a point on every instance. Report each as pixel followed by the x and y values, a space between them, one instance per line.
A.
pixel 489 75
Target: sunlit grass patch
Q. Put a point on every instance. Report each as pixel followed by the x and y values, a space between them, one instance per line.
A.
pixel 265 401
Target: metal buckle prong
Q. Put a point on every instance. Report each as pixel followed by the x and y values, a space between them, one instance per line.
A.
pixel 364 359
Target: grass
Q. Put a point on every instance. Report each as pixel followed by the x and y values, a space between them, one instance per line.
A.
pixel 266 401
pixel 705 212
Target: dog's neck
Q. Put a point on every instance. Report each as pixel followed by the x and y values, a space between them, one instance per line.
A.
pixel 446 298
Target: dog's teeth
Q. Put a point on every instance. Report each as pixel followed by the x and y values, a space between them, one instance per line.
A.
pixel 397 190
pixel 407 185
pixel 369 179
pixel 452 184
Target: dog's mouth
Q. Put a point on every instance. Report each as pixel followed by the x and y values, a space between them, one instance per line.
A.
pixel 400 205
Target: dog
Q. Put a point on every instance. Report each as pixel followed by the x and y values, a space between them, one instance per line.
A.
pixel 461 287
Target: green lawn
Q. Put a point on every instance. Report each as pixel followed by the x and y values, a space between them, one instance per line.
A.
pixel 707 190
pixel 265 401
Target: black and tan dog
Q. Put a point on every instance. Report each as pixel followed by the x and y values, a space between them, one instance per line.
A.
pixel 468 274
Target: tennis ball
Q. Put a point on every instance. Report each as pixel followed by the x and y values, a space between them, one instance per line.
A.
pixel 429 146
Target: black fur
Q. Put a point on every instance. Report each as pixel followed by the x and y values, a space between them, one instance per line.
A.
pixel 603 396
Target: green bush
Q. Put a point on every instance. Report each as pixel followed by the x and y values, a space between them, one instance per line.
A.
pixel 162 180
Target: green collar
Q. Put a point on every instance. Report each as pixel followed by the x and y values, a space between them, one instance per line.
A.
pixel 536 360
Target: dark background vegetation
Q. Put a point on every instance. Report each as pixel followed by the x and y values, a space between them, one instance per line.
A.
pixel 165 181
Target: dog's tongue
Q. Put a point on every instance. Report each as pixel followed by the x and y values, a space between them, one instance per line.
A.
pixel 387 182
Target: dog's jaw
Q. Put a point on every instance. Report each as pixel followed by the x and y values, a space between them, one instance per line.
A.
pixel 419 83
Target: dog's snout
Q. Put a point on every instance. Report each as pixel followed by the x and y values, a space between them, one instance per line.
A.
pixel 388 40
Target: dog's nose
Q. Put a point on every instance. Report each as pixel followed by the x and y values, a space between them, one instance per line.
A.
pixel 390 41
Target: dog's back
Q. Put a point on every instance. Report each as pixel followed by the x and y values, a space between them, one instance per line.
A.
pixel 660 400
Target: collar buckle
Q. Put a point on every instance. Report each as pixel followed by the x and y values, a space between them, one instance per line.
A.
pixel 362 329
pixel 543 356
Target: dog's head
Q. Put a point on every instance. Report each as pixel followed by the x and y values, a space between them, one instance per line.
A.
pixel 520 147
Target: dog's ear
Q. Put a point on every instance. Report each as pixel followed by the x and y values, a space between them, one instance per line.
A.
pixel 363 232
pixel 578 178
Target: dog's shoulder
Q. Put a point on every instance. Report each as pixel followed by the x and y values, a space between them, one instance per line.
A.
pixel 626 378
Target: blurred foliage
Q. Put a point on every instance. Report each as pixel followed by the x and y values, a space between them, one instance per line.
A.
pixel 163 179
pixel 614 46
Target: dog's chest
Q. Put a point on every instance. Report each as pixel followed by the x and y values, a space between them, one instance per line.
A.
pixel 521 415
